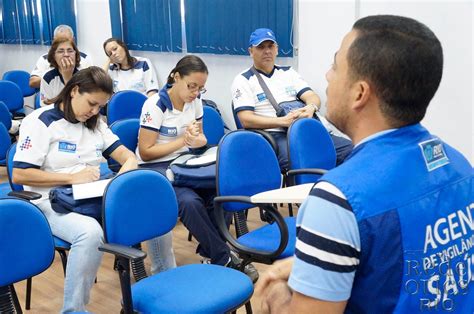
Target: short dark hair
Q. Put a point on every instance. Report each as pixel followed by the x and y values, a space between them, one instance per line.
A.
pixel 187 65
pixel 131 60
pixel 89 80
pixel 403 61
pixel 54 47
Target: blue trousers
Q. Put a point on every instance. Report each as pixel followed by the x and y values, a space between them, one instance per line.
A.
pixel 343 148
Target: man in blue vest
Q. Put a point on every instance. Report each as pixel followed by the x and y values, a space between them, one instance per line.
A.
pixel 392 228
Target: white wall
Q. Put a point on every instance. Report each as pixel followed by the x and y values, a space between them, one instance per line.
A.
pixel 321 26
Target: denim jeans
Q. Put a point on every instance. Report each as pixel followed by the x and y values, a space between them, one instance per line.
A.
pixel 85 235
pixel 160 251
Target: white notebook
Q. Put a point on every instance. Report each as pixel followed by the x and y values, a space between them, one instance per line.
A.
pixel 89 190
pixel 204 159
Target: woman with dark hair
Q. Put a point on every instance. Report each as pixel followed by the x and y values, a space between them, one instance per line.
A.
pixel 64 144
pixel 127 72
pixel 171 123
pixel 64 59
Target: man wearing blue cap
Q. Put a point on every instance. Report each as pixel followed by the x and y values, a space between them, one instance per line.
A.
pixel 253 107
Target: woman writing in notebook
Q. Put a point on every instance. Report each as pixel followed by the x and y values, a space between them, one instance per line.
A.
pixel 171 123
pixel 64 144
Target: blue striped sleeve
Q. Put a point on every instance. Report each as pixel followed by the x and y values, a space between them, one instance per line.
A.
pixel 327 246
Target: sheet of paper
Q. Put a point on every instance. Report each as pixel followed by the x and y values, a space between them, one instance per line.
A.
pixel 202 159
pixel 89 190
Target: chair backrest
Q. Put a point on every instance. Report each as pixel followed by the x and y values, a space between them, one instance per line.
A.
pixel 27 246
pixel 138 205
pixel 22 79
pixel 212 125
pixel 5 143
pixel 126 104
pixel 310 146
pixel 246 165
pixel 238 125
pixel 37 100
pixel 127 131
pixel 11 95
pixel 5 116
pixel 10 154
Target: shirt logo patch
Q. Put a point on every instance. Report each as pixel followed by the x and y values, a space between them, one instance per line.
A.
pixel 67 147
pixel 166 131
pixel 433 154
pixel 261 97
pixel 237 94
pixel 290 90
pixel 26 144
pixel 147 118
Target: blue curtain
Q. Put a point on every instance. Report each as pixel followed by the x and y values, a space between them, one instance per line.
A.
pixel 33 21
pixel 224 26
pixel 147 25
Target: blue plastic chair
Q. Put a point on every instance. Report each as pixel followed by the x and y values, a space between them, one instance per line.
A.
pixel 247 165
pixel 5 116
pixel 126 104
pixel 140 205
pixel 26 250
pixel 22 79
pixel 213 126
pixel 61 246
pixel 12 96
pixel 311 151
pixel 5 142
pixel 127 131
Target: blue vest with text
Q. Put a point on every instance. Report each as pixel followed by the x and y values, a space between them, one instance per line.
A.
pixel 413 198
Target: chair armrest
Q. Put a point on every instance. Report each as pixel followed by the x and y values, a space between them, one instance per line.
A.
pixel 294 172
pixel 127 252
pixel 26 195
pixel 269 211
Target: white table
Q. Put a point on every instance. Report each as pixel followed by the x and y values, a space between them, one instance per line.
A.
pixel 294 194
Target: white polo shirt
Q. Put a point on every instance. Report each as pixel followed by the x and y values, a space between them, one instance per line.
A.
pixel 51 143
pixel 141 77
pixel 158 115
pixel 52 83
pixel 42 65
pixel 284 83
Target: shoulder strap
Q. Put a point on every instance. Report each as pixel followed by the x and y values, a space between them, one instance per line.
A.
pixel 264 86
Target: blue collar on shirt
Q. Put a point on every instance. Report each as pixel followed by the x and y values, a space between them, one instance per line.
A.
pixel 165 97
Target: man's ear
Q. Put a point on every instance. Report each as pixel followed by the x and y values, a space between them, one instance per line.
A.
pixel 250 50
pixel 360 95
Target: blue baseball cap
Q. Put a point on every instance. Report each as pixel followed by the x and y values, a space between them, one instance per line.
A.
pixel 260 35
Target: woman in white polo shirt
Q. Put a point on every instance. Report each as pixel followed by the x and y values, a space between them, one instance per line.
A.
pixel 127 72
pixel 170 124
pixel 64 59
pixel 64 144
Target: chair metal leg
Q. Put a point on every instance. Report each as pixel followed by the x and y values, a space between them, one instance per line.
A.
pixel 29 282
pixel 15 300
pixel 290 209
pixel 248 307
pixel 123 268
pixel 63 255
pixel 6 300
pixel 190 236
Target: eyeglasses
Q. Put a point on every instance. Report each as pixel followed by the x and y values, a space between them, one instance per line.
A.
pixel 193 87
pixel 63 51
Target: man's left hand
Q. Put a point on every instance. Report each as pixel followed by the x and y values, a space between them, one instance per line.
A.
pixel 306 112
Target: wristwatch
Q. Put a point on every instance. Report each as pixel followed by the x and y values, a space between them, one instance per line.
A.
pixel 316 108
